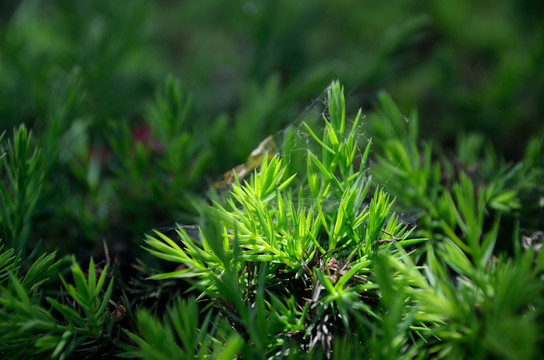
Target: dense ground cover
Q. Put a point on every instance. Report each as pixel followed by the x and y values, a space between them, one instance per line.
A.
pixel 383 232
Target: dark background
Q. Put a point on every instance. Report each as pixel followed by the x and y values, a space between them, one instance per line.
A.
pixel 71 70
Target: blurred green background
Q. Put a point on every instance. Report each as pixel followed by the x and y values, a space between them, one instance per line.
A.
pixel 89 78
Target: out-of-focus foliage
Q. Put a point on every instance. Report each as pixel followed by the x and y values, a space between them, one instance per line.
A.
pixel 108 41
pixel 465 65
pixel 474 65
pixel 72 70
